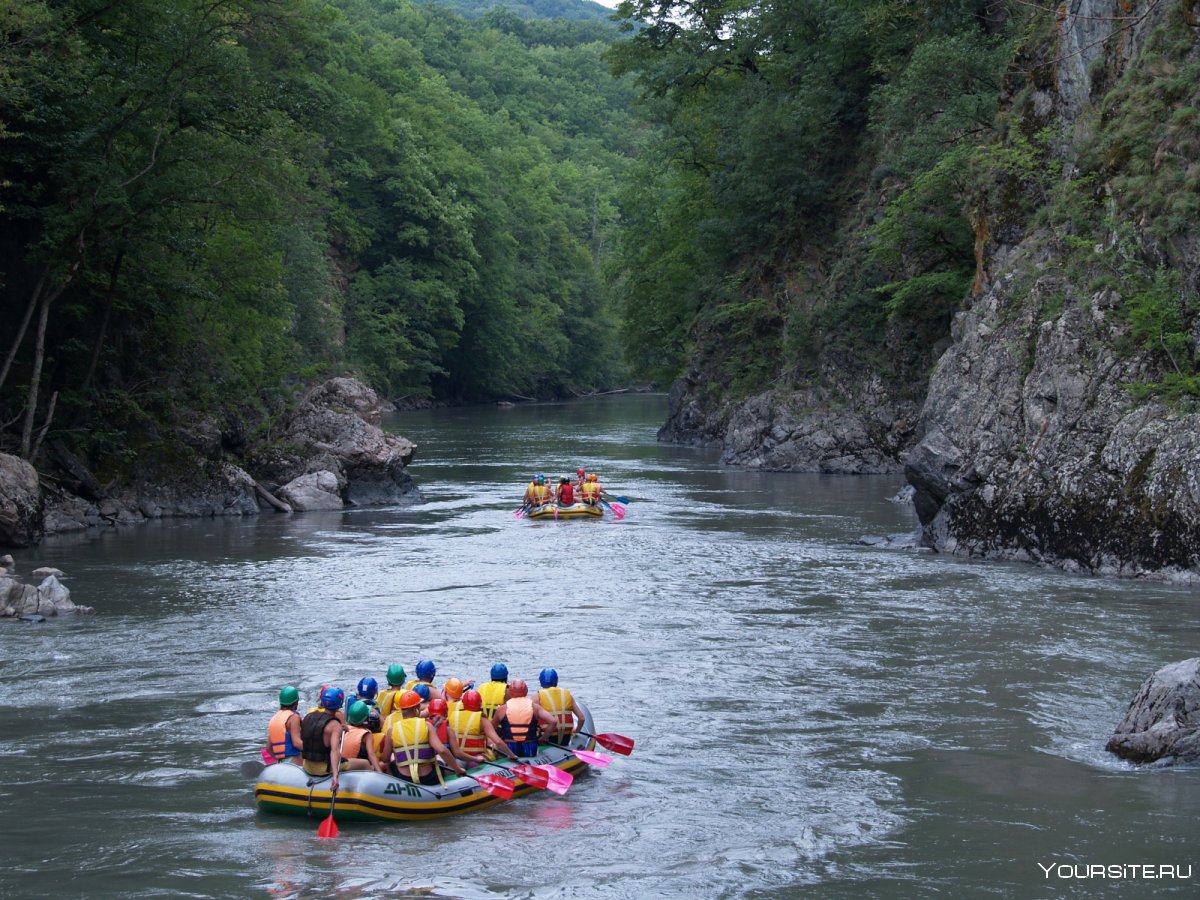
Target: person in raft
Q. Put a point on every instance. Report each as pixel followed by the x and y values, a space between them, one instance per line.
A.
pixel 566 493
pixel 519 719
pixel 412 746
pixel 367 690
pixel 283 731
pixel 388 696
pixel 537 493
pixel 494 692
pixel 359 742
pixel 438 720
pixel 580 479
pixel 560 704
pixel 590 492
pixel 426 671
pixel 474 733
pixel 453 689
pixel 321 737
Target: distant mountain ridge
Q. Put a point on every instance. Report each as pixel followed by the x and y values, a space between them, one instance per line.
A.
pixel 573 10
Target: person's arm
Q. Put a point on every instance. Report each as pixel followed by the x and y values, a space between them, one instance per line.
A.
pixel 458 751
pixel 493 738
pixel 369 741
pixel 385 752
pixel 333 732
pixel 546 719
pixel 444 754
pixel 293 726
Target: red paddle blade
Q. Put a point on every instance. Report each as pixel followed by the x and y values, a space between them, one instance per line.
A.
pixel 559 781
pixel 617 743
pixel 268 759
pixel 495 785
pixel 593 759
pixel 328 828
pixel 532 776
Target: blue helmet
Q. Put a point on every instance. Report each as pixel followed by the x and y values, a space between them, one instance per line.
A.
pixel 332 698
pixel 426 670
pixel 548 678
pixel 423 689
pixel 499 672
pixel 368 687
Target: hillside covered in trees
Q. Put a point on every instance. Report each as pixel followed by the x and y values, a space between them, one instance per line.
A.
pixel 205 204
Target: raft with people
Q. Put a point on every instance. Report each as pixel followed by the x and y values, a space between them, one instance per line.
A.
pixel 416 750
pixel 375 797
pixel 582 499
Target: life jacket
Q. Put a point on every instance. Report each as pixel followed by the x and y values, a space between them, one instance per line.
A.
pixel 410 745
pixel 384 700
pixel 519 728
pixel 452 706
pixel 468 728
pixel 566 495
pixel 540 494
pixel 557 701
pixel 491 696
pixel 312 731
pixel 280 737
pixel 354 745
pixel 590 492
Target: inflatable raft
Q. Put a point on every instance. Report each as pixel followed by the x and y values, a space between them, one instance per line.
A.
pixel 373 797
pixel 578 511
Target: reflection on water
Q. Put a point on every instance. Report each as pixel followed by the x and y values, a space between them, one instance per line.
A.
pixel 808 713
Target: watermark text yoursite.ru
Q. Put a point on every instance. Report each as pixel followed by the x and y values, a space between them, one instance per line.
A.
pixel 1121 871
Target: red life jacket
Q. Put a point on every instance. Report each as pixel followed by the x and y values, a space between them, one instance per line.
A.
pixel 566 495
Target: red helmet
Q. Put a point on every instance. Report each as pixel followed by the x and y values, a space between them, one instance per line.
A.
pixel 518 688
pixel 438 707
pixel 580 472
pixel 472 701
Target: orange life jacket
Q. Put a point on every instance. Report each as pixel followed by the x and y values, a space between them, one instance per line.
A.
pixel 279 736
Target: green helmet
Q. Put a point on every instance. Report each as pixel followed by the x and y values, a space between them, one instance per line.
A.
pixel 395 675
pixel 358 713
pixel 289 696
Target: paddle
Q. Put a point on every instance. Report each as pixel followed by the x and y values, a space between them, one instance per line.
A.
pixel 519 512
pixel 617 743
pixel 268 759
pixel 528 774
pixel 494 785
pixel 252 768
pixel 559 781
pixel 329 827
pixel 588 756
pixel 615 508
pixel 616 497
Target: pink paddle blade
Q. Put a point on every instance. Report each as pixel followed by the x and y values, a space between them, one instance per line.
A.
pixel 532 776
pixel 495 785
pixel 268 759
pixel 618 510
pixel 559 781
pixel 594 759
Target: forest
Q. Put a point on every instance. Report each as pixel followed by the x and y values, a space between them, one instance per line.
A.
pixel 205 204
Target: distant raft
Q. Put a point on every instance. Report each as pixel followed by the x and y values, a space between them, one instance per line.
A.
pixel 577 511
pixel 373 797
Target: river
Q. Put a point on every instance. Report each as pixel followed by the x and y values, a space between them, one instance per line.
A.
pixel 811 716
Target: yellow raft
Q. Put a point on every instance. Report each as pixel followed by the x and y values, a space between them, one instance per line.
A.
pixel 374 797
pixel 578 511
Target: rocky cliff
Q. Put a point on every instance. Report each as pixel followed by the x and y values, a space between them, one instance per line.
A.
pixel 1059 424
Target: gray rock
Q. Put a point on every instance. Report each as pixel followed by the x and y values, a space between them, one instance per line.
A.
pixel 22 510
pixel 316 490
pixel 1163 720
pixel 45 572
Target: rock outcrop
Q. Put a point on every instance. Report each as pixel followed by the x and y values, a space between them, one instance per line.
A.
pixel 335 430
pixel 22 515
pixel 1163 720
pixel 48 598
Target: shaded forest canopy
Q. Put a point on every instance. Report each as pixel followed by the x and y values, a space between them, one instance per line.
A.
pixel 205 204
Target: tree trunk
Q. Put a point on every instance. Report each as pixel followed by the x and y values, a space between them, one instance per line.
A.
pixel 20 336
pixel 35 380
pixel 108 306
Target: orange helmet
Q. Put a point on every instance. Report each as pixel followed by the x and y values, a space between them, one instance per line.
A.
pixel 592 476
pixel 472 701
pixel 453 688
pixel 438 707
pixel 519 688
pixel 409 699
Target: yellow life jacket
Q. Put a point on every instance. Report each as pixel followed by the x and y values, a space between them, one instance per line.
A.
pixel 590 492
pixel 410 745
pixel 386 698
pixel 539 493
pixel 491 696
pixel 468 728
pixel 557 701
pixel 452 706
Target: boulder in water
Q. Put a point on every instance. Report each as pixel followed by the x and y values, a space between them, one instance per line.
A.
pixel 22 508
pixel 1163 721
